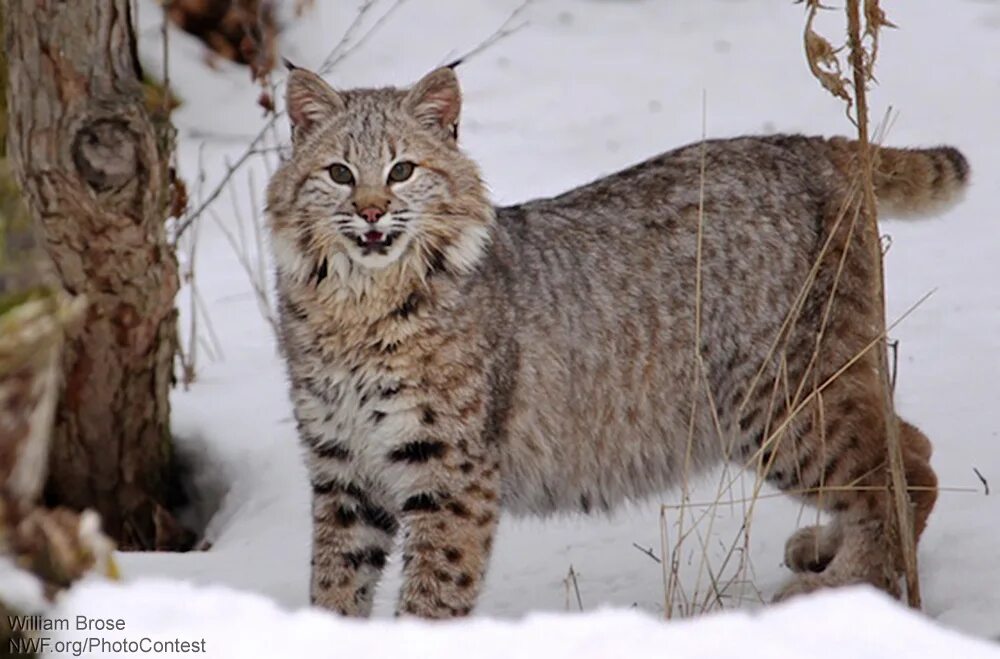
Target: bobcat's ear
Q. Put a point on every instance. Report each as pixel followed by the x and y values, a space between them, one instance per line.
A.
pixel 310 102
pixel 436 101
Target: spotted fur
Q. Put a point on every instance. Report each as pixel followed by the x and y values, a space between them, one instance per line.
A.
pixel 542 357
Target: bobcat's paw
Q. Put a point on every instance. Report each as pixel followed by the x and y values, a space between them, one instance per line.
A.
pixel 811 549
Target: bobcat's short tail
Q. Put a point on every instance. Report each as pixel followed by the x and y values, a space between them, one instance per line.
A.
pixel 912 182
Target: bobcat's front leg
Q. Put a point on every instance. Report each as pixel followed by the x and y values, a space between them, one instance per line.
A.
pixel 353 522
pixel 352 538
pixel 449 509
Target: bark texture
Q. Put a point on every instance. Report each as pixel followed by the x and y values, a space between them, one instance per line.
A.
pixel 93 168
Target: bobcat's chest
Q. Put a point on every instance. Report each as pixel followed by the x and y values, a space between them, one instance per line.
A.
pixel 356 391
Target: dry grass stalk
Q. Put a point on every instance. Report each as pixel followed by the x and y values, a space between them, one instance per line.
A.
pixel 572 586
pixel 864 24
pixel 862 62
pixel 187 247
pixel 250 253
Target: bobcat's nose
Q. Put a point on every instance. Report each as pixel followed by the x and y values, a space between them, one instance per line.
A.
pixel 371 214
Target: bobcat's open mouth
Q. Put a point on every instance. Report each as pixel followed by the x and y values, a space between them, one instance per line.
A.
pixel 376 240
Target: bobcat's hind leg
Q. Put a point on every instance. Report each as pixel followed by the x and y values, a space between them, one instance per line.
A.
pixel 844 472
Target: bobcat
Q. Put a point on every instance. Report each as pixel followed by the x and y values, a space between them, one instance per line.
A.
pixel 449 359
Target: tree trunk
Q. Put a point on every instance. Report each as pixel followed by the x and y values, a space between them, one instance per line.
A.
pixel 93 169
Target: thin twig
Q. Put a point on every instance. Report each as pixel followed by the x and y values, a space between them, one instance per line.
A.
pixel 345 39
pixel 208 135
pixel 332 62
pixel 222 184
pixel 258 235
pixel 805 492
pixel 260 292
pixel 216 344
pixel 697 367
pixel 982 479
pixel 894 349
pixel 189 358
pixel 506 29
pixel 647 552
pixel 571 581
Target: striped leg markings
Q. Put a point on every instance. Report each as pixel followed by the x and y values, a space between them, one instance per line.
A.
pixel 353 524
pixel 449 516
pixel 353 533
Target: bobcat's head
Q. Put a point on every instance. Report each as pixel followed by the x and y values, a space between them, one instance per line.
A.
pixel 376 176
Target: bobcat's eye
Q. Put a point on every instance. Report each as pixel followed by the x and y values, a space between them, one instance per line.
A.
pixel 341 174
pixel 401 171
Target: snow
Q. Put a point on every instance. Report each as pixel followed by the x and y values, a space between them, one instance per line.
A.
pixel 22 591
pixel 856 623
pixel 589 87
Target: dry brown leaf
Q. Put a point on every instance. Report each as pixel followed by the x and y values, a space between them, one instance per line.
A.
pixel 822 58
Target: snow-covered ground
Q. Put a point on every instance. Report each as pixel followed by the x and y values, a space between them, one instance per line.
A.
pixel 588 87
pixel 856 624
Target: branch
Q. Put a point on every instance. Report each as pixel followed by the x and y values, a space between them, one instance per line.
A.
pixel 982 479
pixel 342 50
pixel 505 30
pixel 230 171
pixel 647 552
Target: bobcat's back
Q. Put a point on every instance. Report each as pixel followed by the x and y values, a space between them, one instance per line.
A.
pixel 606 297
pixel 614 280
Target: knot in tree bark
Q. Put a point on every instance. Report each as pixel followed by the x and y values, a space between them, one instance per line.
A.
pixel 106 154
